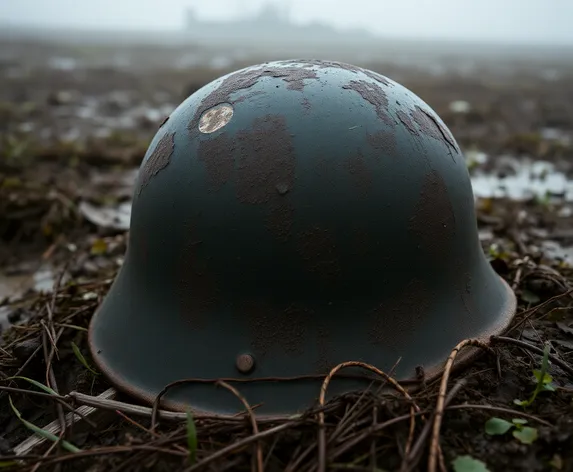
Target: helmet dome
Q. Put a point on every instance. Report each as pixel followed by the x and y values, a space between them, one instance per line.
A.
pixel 288 217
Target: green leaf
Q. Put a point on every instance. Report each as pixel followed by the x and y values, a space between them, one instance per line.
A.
pixel 41 386
pixel 7 464
pixel 546 378
pixel 541 376
pixel 82 359
pixel 519 421
pixel 556 462
pixel 191 437
pixel 526 435
pixel 468 464
pixel 495 426
pixel 41 432
pixel 71 326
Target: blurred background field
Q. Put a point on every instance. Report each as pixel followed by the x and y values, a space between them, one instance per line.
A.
pixel 80 100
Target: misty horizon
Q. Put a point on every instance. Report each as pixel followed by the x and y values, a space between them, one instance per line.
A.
pixel 528 21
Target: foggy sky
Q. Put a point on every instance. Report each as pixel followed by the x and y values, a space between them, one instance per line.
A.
pixel 545 21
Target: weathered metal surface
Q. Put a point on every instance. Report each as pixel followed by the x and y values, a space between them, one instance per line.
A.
pixel 158 160
pixel 328 217
pixel 215 118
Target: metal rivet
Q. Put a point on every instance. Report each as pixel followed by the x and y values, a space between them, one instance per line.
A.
pixel 215 118
pixel 245 363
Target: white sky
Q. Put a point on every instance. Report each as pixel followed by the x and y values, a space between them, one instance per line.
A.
pixel 548 21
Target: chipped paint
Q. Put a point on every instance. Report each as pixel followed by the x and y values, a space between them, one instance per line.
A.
pixel 384 142
pixel 373 94
pixel 430 126
pixel 280 220
pixel 216 154
pixel 266 160
pixel 319 64
pixel 271 329
pixel 158 160
pixel 407 122
pixel 245 79
pixel 433 220
pixel 265 169
pixel 397 320
pixel 216 118
pixel 317 248
pixel 248 96
pixel 360 173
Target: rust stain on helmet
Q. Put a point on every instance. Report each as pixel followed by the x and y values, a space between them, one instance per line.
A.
pixel 280 219
pixel 245 79
pixel 359 172
pixel 265 170
pixel 318 249
pixel 196 287
pixel 384 142
pixel 373 94
pixel 158 160
pixel 217 155
pixel 433 221
pixel 430 126
pixel 266 160
pixel 396 320
pixel 269 328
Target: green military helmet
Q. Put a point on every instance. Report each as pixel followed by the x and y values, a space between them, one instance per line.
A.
pixel 288 217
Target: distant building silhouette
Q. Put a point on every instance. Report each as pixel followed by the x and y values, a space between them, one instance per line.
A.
pixel 272 22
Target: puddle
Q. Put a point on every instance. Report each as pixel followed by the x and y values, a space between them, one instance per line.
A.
pixel 524 180
pixel 554 250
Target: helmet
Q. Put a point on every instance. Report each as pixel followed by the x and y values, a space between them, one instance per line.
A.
pixel 288 217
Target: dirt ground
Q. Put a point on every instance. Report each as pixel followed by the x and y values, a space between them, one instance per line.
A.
pixel 71 139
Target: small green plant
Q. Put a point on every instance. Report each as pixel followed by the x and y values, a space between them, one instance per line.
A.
pixel 524 434
pixel 191 437
pixel 82 359
pixel 42 432
pixel 468 464
pixel 41 386
pixel 543 380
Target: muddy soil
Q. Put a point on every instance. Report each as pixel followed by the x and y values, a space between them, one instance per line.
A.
pixel 71 139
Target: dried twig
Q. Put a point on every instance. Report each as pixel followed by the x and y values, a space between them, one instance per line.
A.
pixel 435 441
pixel 502 339
pixel 259 449
pixel 323 389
